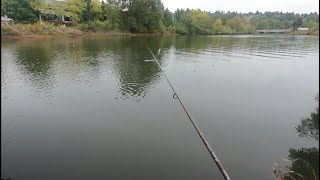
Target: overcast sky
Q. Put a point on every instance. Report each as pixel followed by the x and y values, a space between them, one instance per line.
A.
pixel 297 6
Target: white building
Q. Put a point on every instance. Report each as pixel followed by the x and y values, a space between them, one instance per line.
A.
pixel 303 29
pixel 6 20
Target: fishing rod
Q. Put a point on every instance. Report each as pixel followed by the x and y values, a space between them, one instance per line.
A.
pixel 204 140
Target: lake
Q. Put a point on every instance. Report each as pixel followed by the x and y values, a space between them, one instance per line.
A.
pixel 93 108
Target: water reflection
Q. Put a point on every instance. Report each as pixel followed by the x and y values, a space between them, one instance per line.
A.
pixel 88 88
pixel 305 160
pixel 86 60
pixel 135 75
pixel 34 62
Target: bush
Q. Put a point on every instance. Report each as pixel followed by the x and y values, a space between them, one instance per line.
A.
pixel 36 28
pixel 162 27
pixel 7 30
pixel 41 27
pixel 314 31
pixel 171 30
pixel 96 26
pixel 181 28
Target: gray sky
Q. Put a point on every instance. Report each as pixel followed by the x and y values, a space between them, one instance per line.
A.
pixel 297 6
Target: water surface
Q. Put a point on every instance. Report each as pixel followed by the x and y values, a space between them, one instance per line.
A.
pixel 94 109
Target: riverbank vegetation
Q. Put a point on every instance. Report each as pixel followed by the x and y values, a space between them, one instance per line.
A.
pixel 304 161
pixel 141 16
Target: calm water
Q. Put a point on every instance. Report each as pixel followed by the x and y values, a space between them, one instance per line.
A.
pixel 94 109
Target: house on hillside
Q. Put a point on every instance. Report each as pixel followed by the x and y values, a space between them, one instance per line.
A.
pixel 303 29
pixel 51 15
pixel 6 20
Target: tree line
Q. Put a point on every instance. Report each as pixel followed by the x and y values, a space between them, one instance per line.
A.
pixel 150 16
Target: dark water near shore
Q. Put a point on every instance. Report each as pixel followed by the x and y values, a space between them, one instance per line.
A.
pixel 94 109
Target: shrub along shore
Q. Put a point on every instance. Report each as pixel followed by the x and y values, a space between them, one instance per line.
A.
pixel 44 30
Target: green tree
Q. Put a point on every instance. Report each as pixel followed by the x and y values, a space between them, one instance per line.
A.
pixel 199 21
pixel 111 12
pixel 39 6
pixel 309 127
pixel 240 25
pixel 167 18
pixel 218 26
pixel 181 28
pixel 87 12
pixel 3 7
pixel 92 10
pixel 75 9
pixel 297 23
pixel 20 10
pixel 143 16
pixel 304 161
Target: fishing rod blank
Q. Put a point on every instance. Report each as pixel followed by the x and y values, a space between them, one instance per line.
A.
pixel 204 140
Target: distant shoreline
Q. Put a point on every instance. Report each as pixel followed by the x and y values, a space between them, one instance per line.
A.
pixel 45 31
pixel 39 36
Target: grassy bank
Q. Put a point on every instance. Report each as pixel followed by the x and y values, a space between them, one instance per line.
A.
pixel 42 29
pixel 38 29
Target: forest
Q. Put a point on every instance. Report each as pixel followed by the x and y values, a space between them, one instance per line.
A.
pixel 150 16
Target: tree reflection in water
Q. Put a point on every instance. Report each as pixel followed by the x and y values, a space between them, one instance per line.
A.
pixel 304 161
